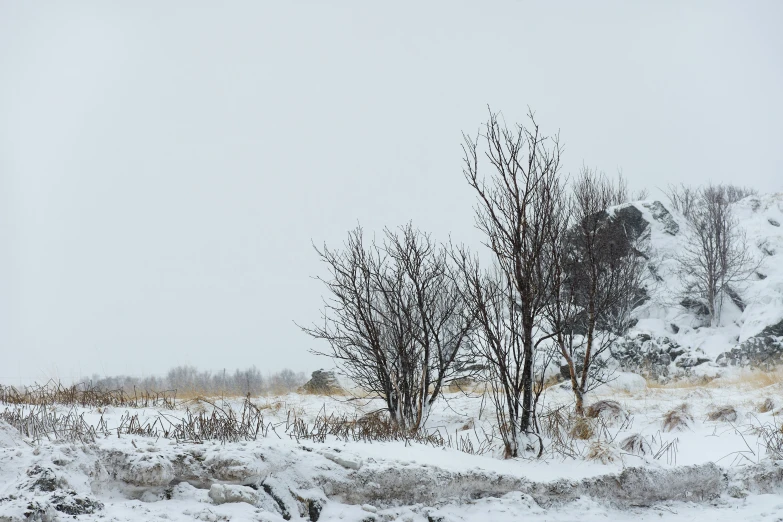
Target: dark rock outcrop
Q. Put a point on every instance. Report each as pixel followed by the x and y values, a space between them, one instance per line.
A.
pixel 763 351
pixel 695 306
pixel 660 214
pixel 322 382
pixel 646 356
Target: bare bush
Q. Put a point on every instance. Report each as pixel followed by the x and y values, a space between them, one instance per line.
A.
pixel 395 321
pixel 678 419
pixel 285 381
pixel 685 198
pixel 736 193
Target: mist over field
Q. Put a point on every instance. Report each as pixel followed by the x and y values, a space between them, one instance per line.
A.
pixel 166 168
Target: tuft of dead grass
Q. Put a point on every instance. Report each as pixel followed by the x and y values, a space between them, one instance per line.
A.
pixel 767 405
pixel 723 414
pixel 608 411
pixel 678 419
pixel 636 445
pixel 582 429
pixel 603 452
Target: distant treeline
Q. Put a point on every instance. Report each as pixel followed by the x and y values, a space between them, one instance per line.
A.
pixel 188 379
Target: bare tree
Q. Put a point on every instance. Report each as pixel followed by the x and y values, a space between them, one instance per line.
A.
pixel 395 320
pixel 621 194
pixel 286 380
pixel 682 198
pixel 735 193
pixel 716 254
pixel 685 198
pixel 600 272
pixel 517 211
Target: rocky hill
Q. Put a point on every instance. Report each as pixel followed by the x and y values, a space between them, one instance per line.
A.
pixel 671 336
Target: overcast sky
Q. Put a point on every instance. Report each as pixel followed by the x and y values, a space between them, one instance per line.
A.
pixel 164 166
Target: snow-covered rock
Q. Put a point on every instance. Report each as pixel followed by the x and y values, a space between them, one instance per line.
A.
pixel 670 337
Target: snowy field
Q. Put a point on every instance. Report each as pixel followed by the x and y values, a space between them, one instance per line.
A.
pixel 703 469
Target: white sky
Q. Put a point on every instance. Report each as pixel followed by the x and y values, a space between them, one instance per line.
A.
pixel 164 166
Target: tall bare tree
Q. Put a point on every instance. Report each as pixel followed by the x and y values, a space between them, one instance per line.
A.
pixel 394 320
pixel 518 212
pixel 716 254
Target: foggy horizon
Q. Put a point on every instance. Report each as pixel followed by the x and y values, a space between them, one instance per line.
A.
pixel 166 168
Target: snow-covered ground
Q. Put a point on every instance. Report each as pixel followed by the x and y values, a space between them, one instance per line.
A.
pixel 712 469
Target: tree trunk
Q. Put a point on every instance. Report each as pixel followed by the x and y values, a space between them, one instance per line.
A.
pixel 580 409
pixel 527 378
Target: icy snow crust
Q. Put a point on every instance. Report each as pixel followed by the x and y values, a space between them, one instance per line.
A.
pixel 721 471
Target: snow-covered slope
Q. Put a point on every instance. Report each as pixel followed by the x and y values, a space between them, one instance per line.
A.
pixel 671 338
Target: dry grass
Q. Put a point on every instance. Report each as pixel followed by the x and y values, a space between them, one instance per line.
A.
pixel 603 452
pixel 636 445
pixel 85 395
pixel 723 414
pixel 753 379
pixel 749 379
pixel 766 406
pixel 678 419
pixel 771 435
pixel 607 410
pixel 582 429
pixel 223 423
pixel 682 384
pixel 552 380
